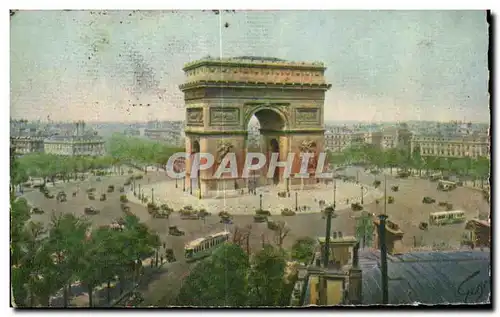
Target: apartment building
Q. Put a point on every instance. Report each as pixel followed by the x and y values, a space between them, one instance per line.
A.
pixel 395 137
pixel 457 145
pixel 86 143
pixel 27 144
pixel 340 138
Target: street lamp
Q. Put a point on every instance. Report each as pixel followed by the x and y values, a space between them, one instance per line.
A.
pixel 176 183
pixel 134 188
pixel 139 191
pixel 152 195
pixel 260 201
pixel 296 201
pixel 184 184
pixel 361 194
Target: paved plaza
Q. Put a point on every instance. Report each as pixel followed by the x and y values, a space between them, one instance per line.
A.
pixel 237 202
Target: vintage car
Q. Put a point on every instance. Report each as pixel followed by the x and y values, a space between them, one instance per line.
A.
pixel 122 189
pixel 91 211
pixel 174 231
pixel 37 211
pixel 259 218
pixel 91 196
pixel 111 188
pixel 226 220
pixel 390 200
pixel 356 207
pixel 263 212
pixel 103 197
pixel 423 226
pixel 395 188
pixel 428 200
pixel 403 174
pixel 287 212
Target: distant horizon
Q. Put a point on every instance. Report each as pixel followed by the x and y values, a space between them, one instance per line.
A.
pixel 180 120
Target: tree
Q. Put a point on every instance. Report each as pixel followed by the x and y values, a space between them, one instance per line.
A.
pixel 364 229
pixel 19 215
pixel 303 249
pixel 34 281
pixel 266 277
pixel 220 280
pixel 281 231
pixel 67 234
pixel 241 237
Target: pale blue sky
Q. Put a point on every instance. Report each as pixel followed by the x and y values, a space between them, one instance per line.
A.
pixel 383 65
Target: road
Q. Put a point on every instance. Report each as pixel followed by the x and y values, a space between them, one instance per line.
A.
pixel 408 211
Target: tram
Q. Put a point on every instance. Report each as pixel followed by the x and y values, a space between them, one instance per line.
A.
pixel 203 247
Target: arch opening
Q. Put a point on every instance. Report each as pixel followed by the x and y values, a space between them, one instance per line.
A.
pixel 265 130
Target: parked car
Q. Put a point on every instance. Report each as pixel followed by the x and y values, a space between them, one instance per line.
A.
pixel 103 197
pixel 91 196
pixel 111 188
pixel 395 188
pixel 122 189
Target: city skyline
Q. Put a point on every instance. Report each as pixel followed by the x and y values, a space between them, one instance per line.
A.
pixel 384 66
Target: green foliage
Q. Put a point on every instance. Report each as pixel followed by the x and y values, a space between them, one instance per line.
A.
pixel 49 166
pixel 364 229
pixel 220 280
pixel 303 249
pixel 44 261
pixel 265 279
pixel 141 151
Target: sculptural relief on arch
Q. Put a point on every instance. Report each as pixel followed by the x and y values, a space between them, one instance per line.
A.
pixel 222 95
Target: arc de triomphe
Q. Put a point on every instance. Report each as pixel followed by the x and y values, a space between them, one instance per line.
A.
pixel 222 95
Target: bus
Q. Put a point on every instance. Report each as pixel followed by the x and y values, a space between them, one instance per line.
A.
pixel 446 217
pixel 446 185
pixel 203 247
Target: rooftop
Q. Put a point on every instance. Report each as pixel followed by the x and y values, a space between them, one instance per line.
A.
pixel 453 277
pixel 428 277
pixel 252 60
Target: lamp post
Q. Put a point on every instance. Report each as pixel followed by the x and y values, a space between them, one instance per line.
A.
pixel 184 184
pixel 134 188
pixel 296 201
pixel 361 194
pixel 140 191
pixel 190 186
pixel 176 182
pixel 152 195
pixel 260 201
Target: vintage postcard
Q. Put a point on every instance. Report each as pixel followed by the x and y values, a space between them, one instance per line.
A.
pixel 225 158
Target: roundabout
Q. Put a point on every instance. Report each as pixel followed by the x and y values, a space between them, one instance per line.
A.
pixel 272 198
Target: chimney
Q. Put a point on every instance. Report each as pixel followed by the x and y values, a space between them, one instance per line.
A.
pixel 383 259
pixel 355 292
